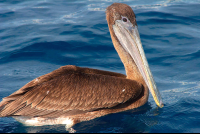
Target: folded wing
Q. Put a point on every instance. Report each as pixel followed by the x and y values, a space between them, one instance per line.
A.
pixel 70 90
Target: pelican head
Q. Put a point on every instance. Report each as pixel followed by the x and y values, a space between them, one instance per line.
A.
pixel 126 39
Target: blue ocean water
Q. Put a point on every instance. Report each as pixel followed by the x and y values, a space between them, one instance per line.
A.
pixel 39 36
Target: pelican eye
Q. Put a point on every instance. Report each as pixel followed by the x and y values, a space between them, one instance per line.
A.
pixel 124 19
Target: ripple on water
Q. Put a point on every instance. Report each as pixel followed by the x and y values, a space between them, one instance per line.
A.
pixel 38 37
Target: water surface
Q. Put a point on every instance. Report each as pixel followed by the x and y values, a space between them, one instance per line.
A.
pixel 39 36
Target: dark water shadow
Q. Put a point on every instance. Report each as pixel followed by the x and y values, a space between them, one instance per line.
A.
pixel 137 120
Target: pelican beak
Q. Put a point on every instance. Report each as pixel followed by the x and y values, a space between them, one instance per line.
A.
pixel 129 38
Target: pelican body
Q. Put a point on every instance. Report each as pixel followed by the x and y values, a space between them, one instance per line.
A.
pixel 72 94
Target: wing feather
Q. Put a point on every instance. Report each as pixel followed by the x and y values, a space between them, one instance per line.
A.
pixel 70 90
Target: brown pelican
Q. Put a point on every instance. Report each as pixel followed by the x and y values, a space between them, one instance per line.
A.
pixel 72 94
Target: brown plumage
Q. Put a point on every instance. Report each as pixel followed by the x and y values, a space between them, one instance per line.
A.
pixel 70 90
pixel 81 93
